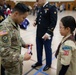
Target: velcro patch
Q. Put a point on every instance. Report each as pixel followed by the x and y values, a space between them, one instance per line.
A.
pixel 4 32
pixel 66 47
pixel 5 38
pixel 66 53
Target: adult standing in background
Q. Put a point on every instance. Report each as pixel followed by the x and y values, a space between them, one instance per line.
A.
pixel 35 8
pixel 11 42
pixel 2 17
pixel 46 21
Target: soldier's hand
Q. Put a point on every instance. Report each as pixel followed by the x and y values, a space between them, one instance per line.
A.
pixel 27 45
pixel 46 36
pixel 27 56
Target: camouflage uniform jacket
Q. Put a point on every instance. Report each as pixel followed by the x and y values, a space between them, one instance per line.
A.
pixel 10 44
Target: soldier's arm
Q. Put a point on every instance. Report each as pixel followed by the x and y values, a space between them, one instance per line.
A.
pixel 53 19
pixel 5 46
pixel 23 43
pixel 5 40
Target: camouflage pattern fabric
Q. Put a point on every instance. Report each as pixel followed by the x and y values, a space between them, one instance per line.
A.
pixel 10 47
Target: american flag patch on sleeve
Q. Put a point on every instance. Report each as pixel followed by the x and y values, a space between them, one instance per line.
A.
pixel 4 32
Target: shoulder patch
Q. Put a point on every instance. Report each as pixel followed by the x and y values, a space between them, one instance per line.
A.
pixel 5 38
pixel 66 53
pixel 66 47
pixel 4 32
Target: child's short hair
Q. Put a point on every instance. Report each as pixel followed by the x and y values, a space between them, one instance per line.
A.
pixel 20 7
pixel 69 21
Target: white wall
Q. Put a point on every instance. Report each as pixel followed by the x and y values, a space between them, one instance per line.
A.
pixel 47 0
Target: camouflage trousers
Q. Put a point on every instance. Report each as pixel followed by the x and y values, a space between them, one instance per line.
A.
pixel 12 68
pixel 0 65
pixel 17 72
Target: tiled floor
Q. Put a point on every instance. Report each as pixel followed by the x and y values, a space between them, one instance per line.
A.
pixel 29 37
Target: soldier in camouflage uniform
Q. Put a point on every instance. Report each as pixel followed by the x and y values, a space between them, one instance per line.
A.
pixel 66 52
pixel 11 42
pixel 2 17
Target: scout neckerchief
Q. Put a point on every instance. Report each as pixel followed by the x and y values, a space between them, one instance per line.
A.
pixel 71 37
